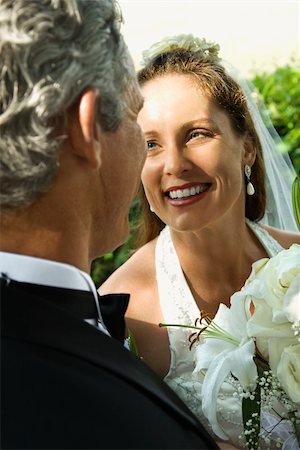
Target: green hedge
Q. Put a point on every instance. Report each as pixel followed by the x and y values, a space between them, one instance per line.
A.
pixel 280 92
pixel 104 266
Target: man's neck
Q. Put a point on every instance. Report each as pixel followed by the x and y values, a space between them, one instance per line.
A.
pixel 66 245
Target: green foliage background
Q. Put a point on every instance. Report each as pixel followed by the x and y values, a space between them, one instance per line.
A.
pixel 104 266
pixel 280 92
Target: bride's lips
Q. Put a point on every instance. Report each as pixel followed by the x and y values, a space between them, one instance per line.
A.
pixel 186 194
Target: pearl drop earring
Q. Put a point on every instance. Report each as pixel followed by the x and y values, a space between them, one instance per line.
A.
pixel 250 187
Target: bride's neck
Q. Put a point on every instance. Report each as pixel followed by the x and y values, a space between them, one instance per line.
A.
pixel 217 260
pixel 210 243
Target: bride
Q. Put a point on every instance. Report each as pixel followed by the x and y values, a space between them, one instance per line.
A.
pixel 208 195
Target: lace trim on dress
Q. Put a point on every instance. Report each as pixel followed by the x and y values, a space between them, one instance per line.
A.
pixel 271 246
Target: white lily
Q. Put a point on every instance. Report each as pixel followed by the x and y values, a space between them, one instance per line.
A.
pixel 226 349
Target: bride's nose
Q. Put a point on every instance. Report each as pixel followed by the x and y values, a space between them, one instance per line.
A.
pixel 176 161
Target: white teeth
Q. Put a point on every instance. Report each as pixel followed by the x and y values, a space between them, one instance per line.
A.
pixel 183 193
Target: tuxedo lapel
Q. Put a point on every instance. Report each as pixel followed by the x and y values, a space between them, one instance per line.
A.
pixel 32 318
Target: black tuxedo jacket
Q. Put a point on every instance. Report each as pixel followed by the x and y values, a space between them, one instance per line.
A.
pixel 65 385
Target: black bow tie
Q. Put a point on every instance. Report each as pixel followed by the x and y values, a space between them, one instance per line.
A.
pixel 82 304
pixel 113 308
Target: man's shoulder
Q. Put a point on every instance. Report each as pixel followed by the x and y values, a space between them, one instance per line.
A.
pixel 73 373
pixel 42 331
pixel 58 398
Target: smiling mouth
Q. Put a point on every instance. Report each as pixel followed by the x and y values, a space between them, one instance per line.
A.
pixel 187 192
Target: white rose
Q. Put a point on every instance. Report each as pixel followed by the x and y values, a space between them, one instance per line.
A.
pixel 288 372
pixel 274 287
pixel 182 41
pixel 281 278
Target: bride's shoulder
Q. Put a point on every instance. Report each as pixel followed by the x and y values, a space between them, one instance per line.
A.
pixel 134 276
pixel 284 238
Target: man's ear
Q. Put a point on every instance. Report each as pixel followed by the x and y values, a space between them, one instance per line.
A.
pixel 84 128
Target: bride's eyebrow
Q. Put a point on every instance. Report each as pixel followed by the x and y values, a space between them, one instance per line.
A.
pixel 201 122
pixel 195 123
pixel 205 123
pixel 151 133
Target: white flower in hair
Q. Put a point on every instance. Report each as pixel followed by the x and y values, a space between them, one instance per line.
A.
pixel 185 42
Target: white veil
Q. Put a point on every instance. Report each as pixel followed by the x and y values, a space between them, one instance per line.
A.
pixel 279 169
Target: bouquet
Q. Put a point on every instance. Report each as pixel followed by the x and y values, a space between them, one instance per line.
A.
pixel 256 342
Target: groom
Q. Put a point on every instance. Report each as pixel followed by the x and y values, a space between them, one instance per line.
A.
pixel 71 155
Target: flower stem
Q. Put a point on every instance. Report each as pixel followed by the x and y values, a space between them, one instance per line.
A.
pixel 210 331
pixel 178 325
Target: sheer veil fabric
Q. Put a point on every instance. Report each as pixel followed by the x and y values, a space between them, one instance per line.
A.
pixel 280 173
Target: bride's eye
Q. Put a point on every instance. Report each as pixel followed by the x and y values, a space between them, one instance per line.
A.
pixel 196 134
pixel 200 133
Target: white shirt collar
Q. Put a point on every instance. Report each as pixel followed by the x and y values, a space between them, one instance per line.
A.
pixel 28 269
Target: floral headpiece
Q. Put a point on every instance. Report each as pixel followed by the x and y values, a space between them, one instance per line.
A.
pixel 182 41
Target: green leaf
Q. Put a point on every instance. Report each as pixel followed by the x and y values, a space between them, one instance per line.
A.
pixel 296 200
pixel 293 416
pixel 251 414
pixel 132 343
pixel 108 256
pixel 251 419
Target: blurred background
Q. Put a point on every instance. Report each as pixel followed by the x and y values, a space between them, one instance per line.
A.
pixel 253 35
pixel 260 38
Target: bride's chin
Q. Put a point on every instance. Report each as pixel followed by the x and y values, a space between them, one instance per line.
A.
pixel 186 224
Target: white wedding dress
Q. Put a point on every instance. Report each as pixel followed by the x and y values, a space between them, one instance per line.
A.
pixel 179 307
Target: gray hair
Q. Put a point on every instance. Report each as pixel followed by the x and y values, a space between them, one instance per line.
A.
pixel 50 51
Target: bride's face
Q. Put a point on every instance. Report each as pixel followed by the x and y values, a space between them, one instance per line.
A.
pixel 193 174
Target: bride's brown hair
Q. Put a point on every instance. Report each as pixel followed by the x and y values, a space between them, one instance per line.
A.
pixel 227 95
